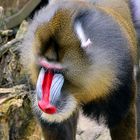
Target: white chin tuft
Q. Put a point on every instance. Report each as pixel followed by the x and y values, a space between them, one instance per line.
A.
pixel 69 108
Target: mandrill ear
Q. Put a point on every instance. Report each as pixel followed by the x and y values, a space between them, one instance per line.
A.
pixel 80 24
pixel 85 41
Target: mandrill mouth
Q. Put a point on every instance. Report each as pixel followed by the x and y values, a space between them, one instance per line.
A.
pixel 48 87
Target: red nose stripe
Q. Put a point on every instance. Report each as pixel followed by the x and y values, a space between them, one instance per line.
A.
pixel 44 104
pixel 46 85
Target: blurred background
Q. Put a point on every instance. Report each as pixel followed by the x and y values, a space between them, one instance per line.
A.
pixel 12 7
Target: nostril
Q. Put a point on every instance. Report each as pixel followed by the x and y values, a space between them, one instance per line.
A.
pixel 46 107
pixel 50 110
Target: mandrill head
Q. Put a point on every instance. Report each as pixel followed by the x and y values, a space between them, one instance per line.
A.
pixel 58 53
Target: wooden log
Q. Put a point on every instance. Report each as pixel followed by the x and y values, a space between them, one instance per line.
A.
pixel 16 19
pixel 16 118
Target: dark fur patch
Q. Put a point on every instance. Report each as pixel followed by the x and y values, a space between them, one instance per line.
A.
pixel 116 105
pixel 60 131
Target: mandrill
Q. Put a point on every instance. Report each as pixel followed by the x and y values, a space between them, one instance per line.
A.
pixel 80 54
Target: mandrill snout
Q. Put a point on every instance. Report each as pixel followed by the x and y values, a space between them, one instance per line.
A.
pixel 48 89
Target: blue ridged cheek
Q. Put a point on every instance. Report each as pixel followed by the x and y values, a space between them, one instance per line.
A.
pixel 39 84
pixel 56 86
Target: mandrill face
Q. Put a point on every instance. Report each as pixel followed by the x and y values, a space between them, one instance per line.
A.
pixel 65 53
pixel 58 63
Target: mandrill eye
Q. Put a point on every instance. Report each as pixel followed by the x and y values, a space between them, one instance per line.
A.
pixel 50 51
